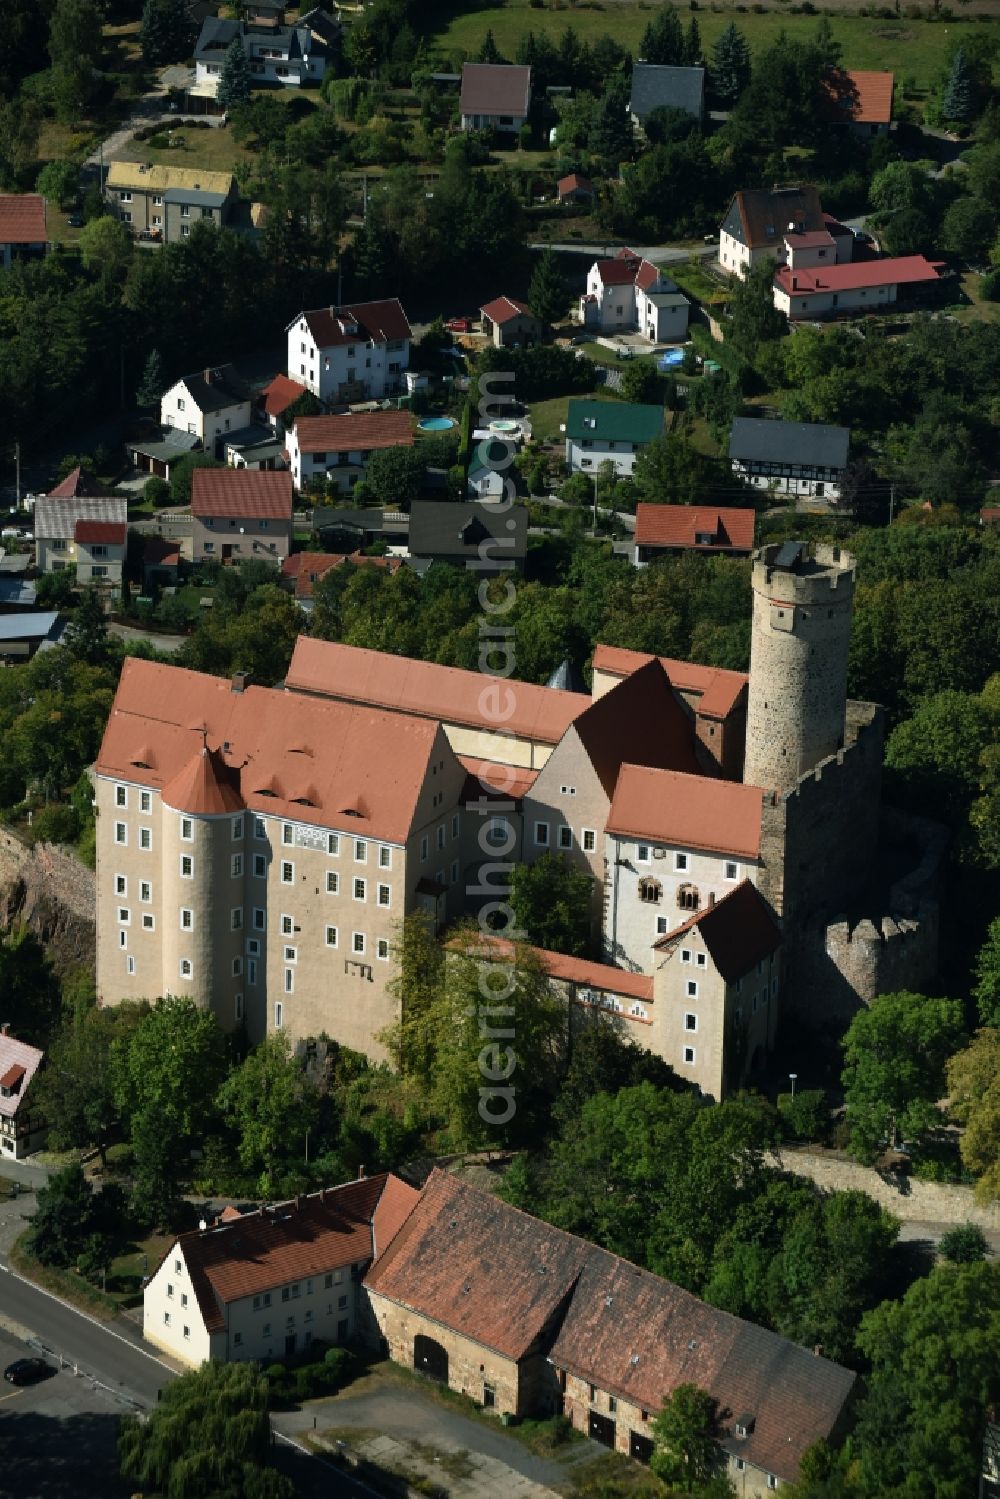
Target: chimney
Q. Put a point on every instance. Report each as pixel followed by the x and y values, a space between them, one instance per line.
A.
pixel 5 1028
pixel 239 681
pixel 711 899
pixel 208 376
pixel 361 1173
pixel 795 283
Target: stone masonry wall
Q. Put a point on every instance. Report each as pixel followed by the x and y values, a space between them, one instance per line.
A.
pixel 49 890
pixel 909 1199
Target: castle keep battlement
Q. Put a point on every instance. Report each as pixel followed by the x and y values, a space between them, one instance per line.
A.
pixel 813 581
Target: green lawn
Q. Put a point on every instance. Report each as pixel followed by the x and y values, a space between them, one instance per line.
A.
pixel 546 416
pixel 911 49
pixel 212 150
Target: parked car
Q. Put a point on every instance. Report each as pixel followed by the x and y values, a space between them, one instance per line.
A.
pixel 75 221
pixel 27 1371
pixel 459 325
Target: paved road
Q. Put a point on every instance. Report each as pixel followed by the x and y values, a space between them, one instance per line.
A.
pixel 660 254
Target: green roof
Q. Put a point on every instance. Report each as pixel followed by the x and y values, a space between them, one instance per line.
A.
pixel 613 421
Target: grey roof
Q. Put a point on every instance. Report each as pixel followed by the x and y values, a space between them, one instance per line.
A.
pixel 55 520
pixel 224 387
pixel 196 196
pixel 34 626
pixel 753 440
pixel 17 590
pixel 171 444
pixel 257 435
pixel 567 678
pixel 322 24
pixel 343 518
pixel 658 87
pixel 667 299
pixel 451 528
pixel 215 36
pixel 16 562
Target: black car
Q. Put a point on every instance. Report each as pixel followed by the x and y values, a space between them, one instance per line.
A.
pixel 26 1371
pixel 75 221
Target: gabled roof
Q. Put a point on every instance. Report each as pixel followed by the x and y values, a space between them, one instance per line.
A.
pixel 311 760
pixel 738 931
pixel 453 528
pixel 56 520
pixel 18 1064
pixel 860 96
pixel 495 89
pixel 89 532
pixel 639 719
pixel 657 87
pixel 757 440
pixel 718 691
pixel 502 309
pixel 160 551
pixel 292 1241
pixel 424 689
pixel 76 483
pixel 360 432
pixel 242 493
pixel 684 810
pixel 478 1267
pixel 34 626
pixel 22 219
pixel 613 421
pixel 574 183
pixel 758 218
pixel 727 529
pixel 626 268
pixel 306 569
pixel 899 270
pixel 381 322
pixel 214 389
pixel 280 393
pixel 160 179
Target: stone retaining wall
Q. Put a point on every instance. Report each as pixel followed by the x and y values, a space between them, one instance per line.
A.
pixel 909 1199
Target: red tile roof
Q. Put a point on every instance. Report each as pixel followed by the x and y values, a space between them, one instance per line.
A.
pixel 558 965
pixel 718 691
pixel 425 690
pixel 11 1076
pixel 639 719
pixel 106 531
pixel 809 239
pixel 490 780
pixel 382 322
pixel 502 309
pixel 738 931
pixel 574 183
pixel 307 568
pixel 280 394
pixel 623 270
pixel 362 432
pixel 205 787
pixel 864 97
pixel 291 1241
pixel 687 811
pixel 495 89
pixel 75 484
pixel 22 219
pixel 990 514
pixel 160 551
pixel 312 760
pixel 730 529
pixel 899 270
pixel 18 1062
pixel 243 493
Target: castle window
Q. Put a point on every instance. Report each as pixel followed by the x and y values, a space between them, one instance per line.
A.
pixel 689 1054
pixel 589 840
pixel 701 960
pixel 333 843
pixel 121 796
pixel 542 834
pixel 121 885
pixel 692 988
pixel 685 954
pixel 690 1022
pixel 732 870
pixel 565 837
pixel 642 853
pixel 650 891
pixel 687 898
pixel 680 862
pixel 332 882
pixel 661 926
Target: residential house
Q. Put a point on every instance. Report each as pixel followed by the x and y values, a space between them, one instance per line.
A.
pixel 757 221
pixel 257 446
pixel 21 635
pixel 22 1124
pixel 16 593
pixel 275 399
pixel 266 1284
pixel 161 561
pixel 163 202
pixel 489 467
pixel 343 529
pixel 861 100
pixel 580 1332
pixel 292 56
pixel 509 323
pixel 155 452
pixel 793 458
pixel 101 521
pixel 666 530
pixel 257 849
pixel 989 516
pixel 461 532
pixel 305 569
pixel 356 353
pixel 336 449
pixel 627 292
pixel 575 188
pixel 77 484
pixel 241 515
pixel 866 286
pixel 23 231
pixel 609 432
pixel 208 405
pixel 495 96
pixel 658 87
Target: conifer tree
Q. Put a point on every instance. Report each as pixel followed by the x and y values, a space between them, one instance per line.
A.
pixel 730 64
pixel 234 81
pixel 663 40
pixel 154 381
pixel 692 44
pixel 548 294
pixel 167 31
pixel 489 51
pixel 958 102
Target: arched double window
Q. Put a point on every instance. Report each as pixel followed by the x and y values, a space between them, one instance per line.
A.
pixel 688 898
pixel 650 891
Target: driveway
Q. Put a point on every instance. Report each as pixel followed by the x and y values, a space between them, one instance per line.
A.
pixel 168 643
pixel 396 1425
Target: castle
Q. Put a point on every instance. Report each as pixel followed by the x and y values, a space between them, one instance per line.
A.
pixel 258 848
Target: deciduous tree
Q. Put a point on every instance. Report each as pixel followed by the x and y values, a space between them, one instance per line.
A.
pixel 974 1091
pixel 686 1454
pixel 271 1104
pixel 552 900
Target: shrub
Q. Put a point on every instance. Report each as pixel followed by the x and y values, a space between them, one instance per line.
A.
pixel 989 286
pixel 804 1116
pixel 964 1244
pixel 56 823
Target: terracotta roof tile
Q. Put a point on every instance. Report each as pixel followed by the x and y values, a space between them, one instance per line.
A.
pixel 90 531
pixel 17 1060
pixel 160 551
pixel 574 183
pixel 558 965
pixel 362 431
pixel 495 89
pixel 22 219
pixel 306 569
pixel 76 483
pixel 765 216
pixel 738 931
pixel 864 97
pixel 898 270
pixel 205 787
pixel 441 692
pixel 681 526
pixel 639 717
pixel 718 690
pixel 280 393
pixel 245 493
pixel 382 322
pixel 490 780
pixel 502 309
pixel 687 811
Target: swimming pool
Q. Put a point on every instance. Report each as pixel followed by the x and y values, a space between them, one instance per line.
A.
pixel 436 424
pixel 503 426
pixel 671 359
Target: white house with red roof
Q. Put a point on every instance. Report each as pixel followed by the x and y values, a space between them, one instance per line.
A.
pixel 22 1127
pixel 275 399
pixel 861 99
pixel 100 552
pixel 665 530
pixel 356 353
pixel 509 323
pixel 628 293
pixel 815 290
pixel 23 232
pixel 337 448
pixel 241 515
pixel 85 531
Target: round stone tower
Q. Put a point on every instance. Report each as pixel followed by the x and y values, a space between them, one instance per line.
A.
pixel 798 661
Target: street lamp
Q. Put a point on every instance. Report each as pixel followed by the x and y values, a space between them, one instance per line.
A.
pixel 792 1076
